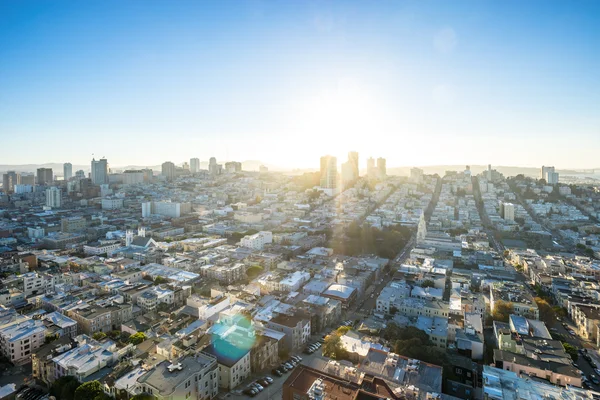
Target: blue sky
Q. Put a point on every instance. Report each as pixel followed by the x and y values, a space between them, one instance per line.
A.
pixel 421 83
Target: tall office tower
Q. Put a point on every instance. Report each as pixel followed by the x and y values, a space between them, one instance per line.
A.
pixel 28 179
pixel 9 180
pixel 544 171
pixel 328 172
pixel 44 176
pixel 99 171
pixel 233 166
pixel 371 172
pixel 353 160
pixel 213 167
pixel 416 175
pixel 168 170
pixel 53 197
pixel 489 172
pixel 194 165
pixel 381 168
pixel 185 166
pixel 347 173
pixel 67 171
pixel 80 174
pixel 549 175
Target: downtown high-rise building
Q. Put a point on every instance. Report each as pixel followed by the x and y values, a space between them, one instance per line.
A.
pixel 9 180
pixel 350 170
pixel 67 171
pixel 53 197
pixel 353 160
pixel 328 172
pixel 99 172
pixel 381 168
pixel 194 165
pixel 549 175
pixel 371 171
pixel 168 170
pixel 44 176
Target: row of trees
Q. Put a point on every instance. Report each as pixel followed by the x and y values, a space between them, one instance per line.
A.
pixel 413 343
pixel 365 239
pixel 69 388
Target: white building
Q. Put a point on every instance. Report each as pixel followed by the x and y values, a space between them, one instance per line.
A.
pixel 33 284
pixel 132 177
pixel 101 247
pixel 234 362
pixel 35 233
pixel 165 208
pixel 194 165
pixel 509 211
pixel 53 197
pixel 110 203
pixel 192 378
pixel 19 340
pixel 20 189
pixel 258 240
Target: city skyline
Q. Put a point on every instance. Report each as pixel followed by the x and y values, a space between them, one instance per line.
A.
pixel 415 83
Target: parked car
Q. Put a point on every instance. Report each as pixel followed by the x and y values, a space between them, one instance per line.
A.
pixel 268 379
pixel 257 386
pixel 594 379
pixel 263 382
pixel 277 372
pixel 250 391
pixel 297 358
pixel 572 332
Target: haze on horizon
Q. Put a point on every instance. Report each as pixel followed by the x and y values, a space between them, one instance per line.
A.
pixel 419 83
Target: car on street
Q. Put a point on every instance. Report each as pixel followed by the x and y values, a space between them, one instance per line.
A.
pixel 250 391
pixel 277 372
pixel 572 332
pixel 297 358
pixel 257 386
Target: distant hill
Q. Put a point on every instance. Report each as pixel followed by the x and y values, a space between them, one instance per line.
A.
pixel 476 169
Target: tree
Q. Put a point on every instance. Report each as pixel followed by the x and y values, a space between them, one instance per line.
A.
pixel 502 311
pixel 253 271
pixel 571 350
pixel 427 283
pixel 64 387
pixel 160 280
pixel 333 347
pixel 89 390
pixel 137 338
pixel 546 312
pixel 99 335
pixel 143 396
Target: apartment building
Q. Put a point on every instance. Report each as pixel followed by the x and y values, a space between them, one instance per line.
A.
pixel 18 340
pixel 234 362
pixel 296 329
pixel 192 378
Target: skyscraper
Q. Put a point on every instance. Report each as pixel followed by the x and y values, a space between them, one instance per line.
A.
pixel 213 167
pixel 67 171
pixel 99 171
pixel 353 160
pixel 381 168
pixel 371 172
pixel 44 176
pixel 194 165
pixel 9 180
pixel 53 197
pixel 328 172
pixel 168 170
pixel 549 175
